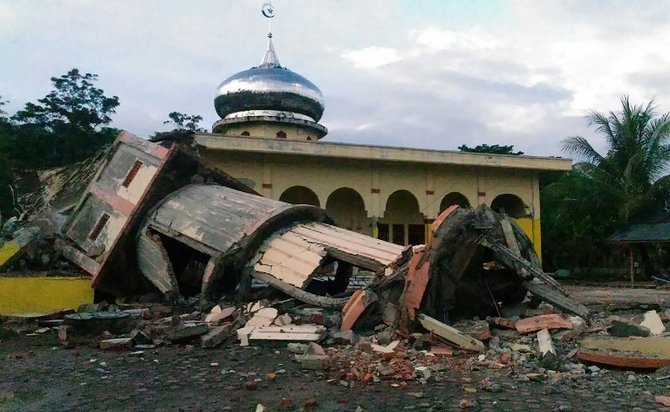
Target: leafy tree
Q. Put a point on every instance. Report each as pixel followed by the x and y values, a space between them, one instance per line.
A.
pixel 6 176
pixel 630 175
pixel 68 124
pixel 494 149
pixel 603 192
pixel 182 122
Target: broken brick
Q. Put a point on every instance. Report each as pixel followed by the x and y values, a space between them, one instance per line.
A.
pixel 442 351
pixel 503 323
pixel 315 349
pixel 537 323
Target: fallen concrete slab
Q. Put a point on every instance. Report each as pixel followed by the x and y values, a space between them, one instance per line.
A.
pixel 635 353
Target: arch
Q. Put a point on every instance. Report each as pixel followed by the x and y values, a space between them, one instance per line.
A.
pixel 346 207
pixel 403 221
pixel 511 204
pixel 300 195
pixel 245 133
pixel 453 198
pixel 281 134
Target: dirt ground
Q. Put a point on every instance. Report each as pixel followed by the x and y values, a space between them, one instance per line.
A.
pixel 36 373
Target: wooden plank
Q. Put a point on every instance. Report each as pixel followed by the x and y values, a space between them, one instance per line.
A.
pixel 510 238
pixel 556 298
pixel 545 343
pixel 301 295
pixel 309 333
pixel 536 323
pixel 451 334
pixel 79 258
pixel 291 328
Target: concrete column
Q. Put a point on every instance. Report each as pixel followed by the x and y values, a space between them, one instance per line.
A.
pixel 377 209
pixel 267 180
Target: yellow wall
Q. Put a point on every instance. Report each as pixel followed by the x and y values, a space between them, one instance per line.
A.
pixel 22 296
pixel 8 250
pixel 270 130
pixel 376 180
pixel 532 228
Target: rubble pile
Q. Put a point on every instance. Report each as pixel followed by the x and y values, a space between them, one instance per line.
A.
pixel 232 268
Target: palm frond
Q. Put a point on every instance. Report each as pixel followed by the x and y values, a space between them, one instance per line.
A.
pixel 581 147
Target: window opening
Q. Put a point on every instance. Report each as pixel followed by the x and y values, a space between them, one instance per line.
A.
pixel 132 173
pixel 97 229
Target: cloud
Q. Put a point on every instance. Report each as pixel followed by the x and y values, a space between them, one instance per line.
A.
pixel 429 74
pixel 371 57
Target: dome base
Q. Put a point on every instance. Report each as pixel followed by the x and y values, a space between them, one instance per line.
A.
pixel 268 126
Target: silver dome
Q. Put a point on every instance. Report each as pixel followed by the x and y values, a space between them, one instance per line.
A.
pixel 269 87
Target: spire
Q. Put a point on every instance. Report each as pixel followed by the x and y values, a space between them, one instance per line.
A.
pixel 270 58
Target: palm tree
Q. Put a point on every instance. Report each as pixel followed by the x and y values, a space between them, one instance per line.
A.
pixel 603 192
pixel 630 177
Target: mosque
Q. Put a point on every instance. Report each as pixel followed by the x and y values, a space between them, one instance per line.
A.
pixel 269 137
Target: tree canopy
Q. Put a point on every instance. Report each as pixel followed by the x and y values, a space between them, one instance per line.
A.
pixel 66 126
pixel 494 149
pixel 605 191
pixel 182 122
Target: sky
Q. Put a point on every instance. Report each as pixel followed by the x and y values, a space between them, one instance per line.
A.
pixel 415 73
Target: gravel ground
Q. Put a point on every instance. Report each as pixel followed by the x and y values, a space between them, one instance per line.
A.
pixel 37 374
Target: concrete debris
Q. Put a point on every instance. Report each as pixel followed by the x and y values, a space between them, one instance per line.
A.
pixel 284 333
pixel 117 344
pixel 653 322
pixel 631 353
pixel 263 317
pixel 216 336
pixel 317 362
pixel 623 328
pixel 545 343
pixel 209 248
pixel 537 323
pixel 187 333
pixel 450 334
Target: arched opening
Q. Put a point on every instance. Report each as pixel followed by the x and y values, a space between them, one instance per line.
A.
pixel 309 137
pixel 453 198
pixel 245 133
pixel 345 206
pixel 300 195
pixel 403 222
pixel 281 134
pixel 512 205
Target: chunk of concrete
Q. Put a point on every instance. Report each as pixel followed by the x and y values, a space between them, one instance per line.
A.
pixel 624 328
pixel 219 314
pixel 263 317
pixel 316 362
pixel 653 322
pixel 187 333
pixel 118 344
pixel 215 336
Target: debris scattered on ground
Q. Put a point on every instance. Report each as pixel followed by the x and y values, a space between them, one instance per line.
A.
pixel 219 267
